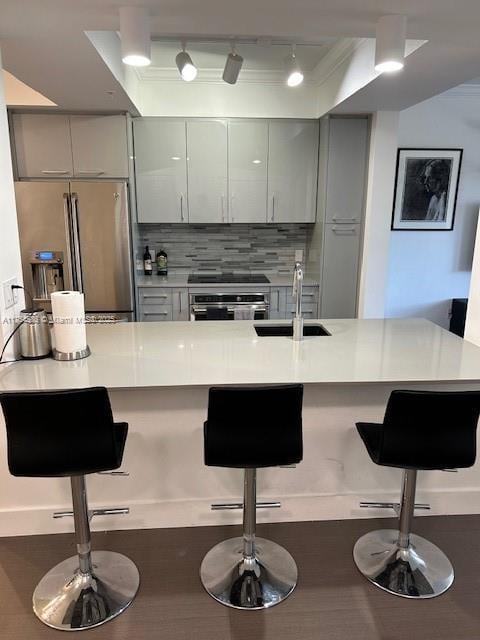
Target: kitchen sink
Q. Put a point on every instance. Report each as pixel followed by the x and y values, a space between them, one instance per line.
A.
pixel 286 330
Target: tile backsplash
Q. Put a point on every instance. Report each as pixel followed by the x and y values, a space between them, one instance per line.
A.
pixel 227 247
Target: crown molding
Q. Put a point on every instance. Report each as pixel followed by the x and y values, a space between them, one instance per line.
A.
pixel 334 57
pixel 461 91
pixel 214 76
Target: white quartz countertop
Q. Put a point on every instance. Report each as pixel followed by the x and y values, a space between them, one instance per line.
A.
pixel 178 354
pixel 181 280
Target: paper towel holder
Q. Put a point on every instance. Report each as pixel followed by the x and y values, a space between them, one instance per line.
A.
pixel 71 355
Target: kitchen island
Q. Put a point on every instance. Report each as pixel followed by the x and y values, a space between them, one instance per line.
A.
pixel 158 375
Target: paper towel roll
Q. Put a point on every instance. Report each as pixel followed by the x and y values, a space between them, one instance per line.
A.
pixel 68 311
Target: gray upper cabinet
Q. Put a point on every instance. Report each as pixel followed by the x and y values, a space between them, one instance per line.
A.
pixel 99 146
pixel 226 171
pixel 43 146
pixel 160 170
pixel 292 171
pixel 207 170
pixel 347 148
pixel 63 146
pixel 247 170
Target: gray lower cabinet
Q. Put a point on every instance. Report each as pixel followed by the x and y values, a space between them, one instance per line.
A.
pixel 340 270
pixel 158 304
pixel 278 303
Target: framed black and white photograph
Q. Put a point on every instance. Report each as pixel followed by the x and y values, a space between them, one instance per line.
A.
pixel 426 188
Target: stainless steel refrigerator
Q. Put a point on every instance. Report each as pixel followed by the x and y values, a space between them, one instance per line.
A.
pixel 84 226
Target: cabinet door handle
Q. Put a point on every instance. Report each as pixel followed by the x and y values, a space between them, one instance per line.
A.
pixel 342 231
pixel 273 208
pixel 91 172
pixel 182 217
pixel 155 313
pixel 335 219
pixel 180 302
pixel 55 172
pixel 154 297
pixel 232 219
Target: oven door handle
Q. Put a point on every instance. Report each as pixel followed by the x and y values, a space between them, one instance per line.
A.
pixel 256 307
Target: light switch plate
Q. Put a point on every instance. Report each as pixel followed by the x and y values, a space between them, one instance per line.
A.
pixel 9 295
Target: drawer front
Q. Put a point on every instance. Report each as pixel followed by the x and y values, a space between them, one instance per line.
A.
pixel 309 295
pixel 155 296
pixel 309 310
pixel 156 313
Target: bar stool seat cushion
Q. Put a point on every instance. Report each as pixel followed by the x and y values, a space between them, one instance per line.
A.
pixel 425 430
pixel 62 433
pixel 254 427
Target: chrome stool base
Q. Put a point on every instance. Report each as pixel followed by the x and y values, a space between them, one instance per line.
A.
pixel 68 600
pixel 420 571
pixel 243 583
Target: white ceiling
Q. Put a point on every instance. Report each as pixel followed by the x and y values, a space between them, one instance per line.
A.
pixel 257 57
pixel 44 44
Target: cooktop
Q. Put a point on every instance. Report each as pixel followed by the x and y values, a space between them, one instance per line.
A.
pixel 221 278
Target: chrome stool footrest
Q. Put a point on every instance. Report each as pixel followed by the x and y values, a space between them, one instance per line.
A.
pixel 239 505
pixel 392 505
pixel 107 511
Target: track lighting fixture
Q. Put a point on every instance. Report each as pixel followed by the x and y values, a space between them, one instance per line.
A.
pixel 135 36
pixel 390 43
pixel 294 71
pixel 187 69
pixel 233 66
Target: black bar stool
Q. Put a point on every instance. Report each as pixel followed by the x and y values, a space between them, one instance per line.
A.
pixel 421 430
pixel 250 428
pixel 72 433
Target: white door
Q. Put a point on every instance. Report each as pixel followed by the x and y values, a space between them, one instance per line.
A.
pixel 99 146
pixel 43 147
pixel 340 271
pixel 207 170
pixel 292 171
pixel 160 170
pixel 347 162
pixel 247 170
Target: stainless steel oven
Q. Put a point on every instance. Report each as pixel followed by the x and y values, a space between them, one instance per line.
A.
pixel 229 306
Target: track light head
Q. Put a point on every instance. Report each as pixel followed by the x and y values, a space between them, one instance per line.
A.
pixel 135 36
pixel 294 71
pixel 233 66
pixel 390 43
pixel 187 69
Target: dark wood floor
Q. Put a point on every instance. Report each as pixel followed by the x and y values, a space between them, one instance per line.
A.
pixel 332 600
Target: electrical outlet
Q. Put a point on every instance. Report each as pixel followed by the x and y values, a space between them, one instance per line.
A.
pixel 10 296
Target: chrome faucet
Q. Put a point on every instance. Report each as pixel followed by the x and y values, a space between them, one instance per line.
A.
pixel 297 295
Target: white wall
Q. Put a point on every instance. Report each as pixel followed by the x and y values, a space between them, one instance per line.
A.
pixel 429 268
pixel 10 264
pixel 375 253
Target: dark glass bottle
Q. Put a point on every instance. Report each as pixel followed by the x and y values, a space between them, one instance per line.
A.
pixel 147 262
pixel 162 263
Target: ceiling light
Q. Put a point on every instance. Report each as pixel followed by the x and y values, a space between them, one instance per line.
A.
pixel 187 69
pixel 257 161
pixel 232 67
pixel 135 36
pixel 390 43
pixel 294 73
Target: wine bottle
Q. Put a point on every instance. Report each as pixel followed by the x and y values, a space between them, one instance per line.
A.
pixel 147 262
pixel 162 263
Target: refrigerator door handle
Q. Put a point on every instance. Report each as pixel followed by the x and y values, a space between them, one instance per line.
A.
pixel 75 244
pixel 70 262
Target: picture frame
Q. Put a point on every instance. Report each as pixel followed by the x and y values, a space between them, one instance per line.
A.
pixel 426 188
